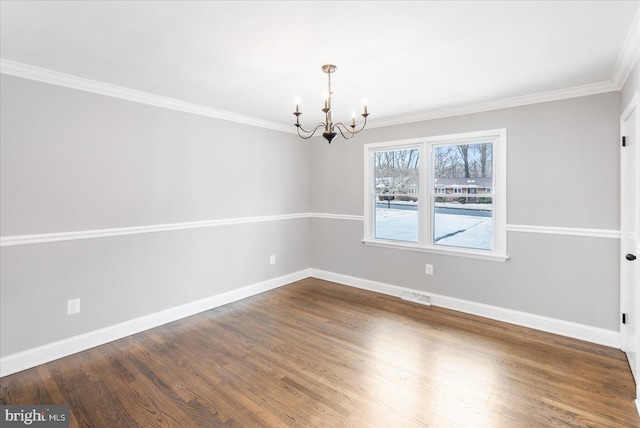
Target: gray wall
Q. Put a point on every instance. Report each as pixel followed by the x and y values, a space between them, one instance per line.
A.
pixel 75 161
pixel 563 171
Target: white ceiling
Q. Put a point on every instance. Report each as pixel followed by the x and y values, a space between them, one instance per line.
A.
pixel 254 58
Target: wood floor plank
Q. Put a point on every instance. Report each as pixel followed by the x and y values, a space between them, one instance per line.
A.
pixel 319 354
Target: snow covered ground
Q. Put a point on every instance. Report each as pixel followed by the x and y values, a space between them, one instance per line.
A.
pixel 453 230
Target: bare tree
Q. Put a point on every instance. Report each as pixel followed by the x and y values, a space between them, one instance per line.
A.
pixel 484 157
pixel 397 171
pixel 464 154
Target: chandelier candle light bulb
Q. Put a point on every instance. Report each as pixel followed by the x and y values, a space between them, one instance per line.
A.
pixel 328 126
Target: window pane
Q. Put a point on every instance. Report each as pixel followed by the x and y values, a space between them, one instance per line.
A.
pixel 463 200
pixel 396 193
pixel 396 222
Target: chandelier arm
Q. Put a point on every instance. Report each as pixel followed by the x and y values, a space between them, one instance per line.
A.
pixel 339 127
pixel 311 133
pixel 363 125
pixel 351 131
pixel 365 120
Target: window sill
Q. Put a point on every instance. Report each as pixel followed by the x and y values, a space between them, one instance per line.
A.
pixel 474 254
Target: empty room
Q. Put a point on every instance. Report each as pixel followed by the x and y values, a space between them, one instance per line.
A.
pixel 319 213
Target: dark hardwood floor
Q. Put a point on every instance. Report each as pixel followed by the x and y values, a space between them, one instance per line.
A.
pixel 318 354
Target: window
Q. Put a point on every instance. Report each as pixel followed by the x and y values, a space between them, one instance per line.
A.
pixel 441 194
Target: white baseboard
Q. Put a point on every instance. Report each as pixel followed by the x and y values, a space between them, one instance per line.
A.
pixel 551 325
pixel 43 354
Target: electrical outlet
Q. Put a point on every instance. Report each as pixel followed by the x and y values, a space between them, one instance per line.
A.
pixel 73 306
pixel 272 260
pixel 428 269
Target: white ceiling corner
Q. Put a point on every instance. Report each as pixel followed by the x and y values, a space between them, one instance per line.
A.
pixel 630 53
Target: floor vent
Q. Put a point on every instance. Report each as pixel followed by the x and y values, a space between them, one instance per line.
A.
pixel 411 296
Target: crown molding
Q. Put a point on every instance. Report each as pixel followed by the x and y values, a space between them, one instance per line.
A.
pixel 626 61
pixel 629 54
pixel 562 94
pixel 25 71
pixel 628 58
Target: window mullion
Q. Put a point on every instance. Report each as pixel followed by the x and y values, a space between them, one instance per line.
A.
pixel 424 205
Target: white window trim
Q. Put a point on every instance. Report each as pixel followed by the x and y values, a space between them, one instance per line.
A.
pixel 499 139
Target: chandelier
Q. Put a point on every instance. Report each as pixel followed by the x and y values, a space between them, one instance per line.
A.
pixel 329 127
